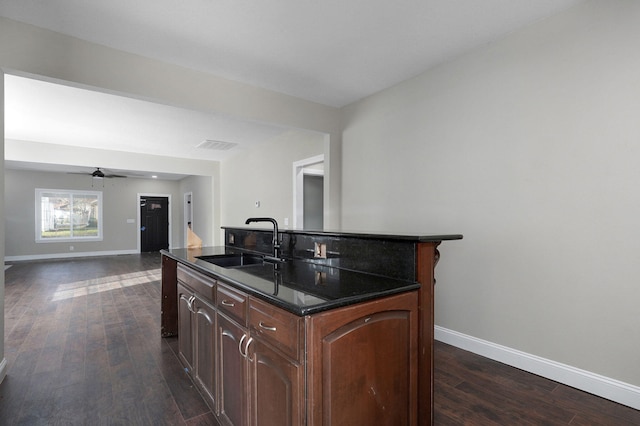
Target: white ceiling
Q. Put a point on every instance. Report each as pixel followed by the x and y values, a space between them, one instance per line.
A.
pixel 333 52
pixel 330 51
pixel 46 112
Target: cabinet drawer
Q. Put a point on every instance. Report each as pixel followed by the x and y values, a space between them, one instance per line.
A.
pixel 201 284
pixel 233 303
pixel 275 326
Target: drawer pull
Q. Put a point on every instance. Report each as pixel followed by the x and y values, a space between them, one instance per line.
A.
pixel 227 303
pixel 266 327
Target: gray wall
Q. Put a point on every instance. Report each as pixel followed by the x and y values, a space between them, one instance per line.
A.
pixel 120 203
pixel 529 147
pixel 265 174
pixel 204 218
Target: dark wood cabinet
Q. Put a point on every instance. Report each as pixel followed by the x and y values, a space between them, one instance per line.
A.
pixel 232 380
pixel 276 366
pixel 362 363
pixel 185 326
pixel 204 371
pixel 197 331
pixel 259 365
pixel 275 387
pixel 261 378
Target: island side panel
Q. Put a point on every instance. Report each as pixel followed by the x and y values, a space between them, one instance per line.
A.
pixel 169 305
pixel 362 363
pixel 426 258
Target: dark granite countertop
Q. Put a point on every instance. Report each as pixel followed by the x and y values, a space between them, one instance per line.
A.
pixel 298 286
pixel 418 238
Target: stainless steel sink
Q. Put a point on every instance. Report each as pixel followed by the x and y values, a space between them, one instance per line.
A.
pixel 234 260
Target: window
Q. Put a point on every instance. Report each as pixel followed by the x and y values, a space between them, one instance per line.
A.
pixel 64 215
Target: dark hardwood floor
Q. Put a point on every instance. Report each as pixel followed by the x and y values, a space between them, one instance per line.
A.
pixel 83 345
pixel 473 390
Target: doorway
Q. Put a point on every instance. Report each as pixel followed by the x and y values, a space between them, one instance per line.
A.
pixel 313 201
pixel 154 223
pixel 188 215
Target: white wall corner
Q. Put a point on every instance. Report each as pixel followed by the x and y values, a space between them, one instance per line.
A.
pixel 605 387
pixel 3 369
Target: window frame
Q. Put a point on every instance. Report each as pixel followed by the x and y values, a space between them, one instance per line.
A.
pixel 71 193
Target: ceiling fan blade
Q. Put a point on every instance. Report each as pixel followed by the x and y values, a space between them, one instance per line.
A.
pixel 98 173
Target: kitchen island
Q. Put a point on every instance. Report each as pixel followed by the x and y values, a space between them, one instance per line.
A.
pixel 339 330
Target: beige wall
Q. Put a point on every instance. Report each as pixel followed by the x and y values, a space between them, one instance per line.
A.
pixel 202 191
pixel 529 147
pixel 120 203
pixel 265 174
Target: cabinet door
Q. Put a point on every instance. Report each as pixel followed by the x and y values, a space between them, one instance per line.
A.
pixel 232 378
pixel 204 372
pixel 363 364
pixel 185 338
pixel 275 387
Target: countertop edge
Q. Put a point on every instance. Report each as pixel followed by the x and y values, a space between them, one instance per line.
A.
pixel 218 273
pixel 359 234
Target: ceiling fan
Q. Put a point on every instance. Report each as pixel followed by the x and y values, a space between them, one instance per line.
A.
pixel 99 174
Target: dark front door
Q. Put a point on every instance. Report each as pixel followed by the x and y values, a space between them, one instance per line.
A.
pixel 154 223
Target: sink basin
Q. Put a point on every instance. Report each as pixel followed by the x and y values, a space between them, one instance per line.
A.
pixel 233 260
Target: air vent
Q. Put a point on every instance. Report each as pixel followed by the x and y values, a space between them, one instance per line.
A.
pixel 216 145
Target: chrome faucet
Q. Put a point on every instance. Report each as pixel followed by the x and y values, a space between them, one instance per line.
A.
pixel 276 237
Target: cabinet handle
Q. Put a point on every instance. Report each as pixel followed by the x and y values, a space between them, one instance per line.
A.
pixel 189 301
pixel 204 314
pixel 244 336
pixel 186 299
pixel 246 348
pixel 227 303
pixel 266 327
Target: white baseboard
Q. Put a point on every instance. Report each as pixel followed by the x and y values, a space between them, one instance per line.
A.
pixel 3 369
pixel 605 387
pixel 68 255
